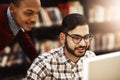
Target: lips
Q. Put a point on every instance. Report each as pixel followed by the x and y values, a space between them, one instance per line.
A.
pixel 80 50
pixel 31 25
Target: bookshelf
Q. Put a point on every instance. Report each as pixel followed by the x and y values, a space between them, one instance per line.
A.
pixel 104 24
pixel 47 32
pixel 96 12
pixel 102 29
pixel 103 17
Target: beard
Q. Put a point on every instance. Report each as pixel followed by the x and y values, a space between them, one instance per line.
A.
pixel 72 51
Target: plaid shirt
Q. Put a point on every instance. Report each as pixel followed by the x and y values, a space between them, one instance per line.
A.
pixel 56 66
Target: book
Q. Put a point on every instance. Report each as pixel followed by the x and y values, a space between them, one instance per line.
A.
pixel 64 9
pixel 70 7
pixel 45 18
pixel 55 15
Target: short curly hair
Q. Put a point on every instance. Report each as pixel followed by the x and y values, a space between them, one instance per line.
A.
pixel 16 2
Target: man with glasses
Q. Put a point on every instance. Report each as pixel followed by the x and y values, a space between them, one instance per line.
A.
pixel 66 62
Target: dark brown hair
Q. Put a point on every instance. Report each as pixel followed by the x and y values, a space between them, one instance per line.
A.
pixel 71 21
pixel 16 2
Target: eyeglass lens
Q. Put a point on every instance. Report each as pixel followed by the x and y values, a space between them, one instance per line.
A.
pixel 77 38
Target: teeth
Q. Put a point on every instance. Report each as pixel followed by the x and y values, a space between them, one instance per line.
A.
pixel 81 48
pixel 32 25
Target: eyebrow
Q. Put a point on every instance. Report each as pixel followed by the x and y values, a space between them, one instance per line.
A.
pixel 30 10
pixel 79 35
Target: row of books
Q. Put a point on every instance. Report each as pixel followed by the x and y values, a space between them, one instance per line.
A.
pixel 99 13
pixel 49 16
pixel 100 42
pixel 105 42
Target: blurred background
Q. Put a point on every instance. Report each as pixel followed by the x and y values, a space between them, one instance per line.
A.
pixel 104 22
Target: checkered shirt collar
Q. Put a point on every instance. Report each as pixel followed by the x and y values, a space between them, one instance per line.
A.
pixel 13 26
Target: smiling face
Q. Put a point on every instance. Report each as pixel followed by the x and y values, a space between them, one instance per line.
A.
pixel 26 14
pixel 78 50
pixel 72 50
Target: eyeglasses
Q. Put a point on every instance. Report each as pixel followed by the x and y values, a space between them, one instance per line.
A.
pixel 77 38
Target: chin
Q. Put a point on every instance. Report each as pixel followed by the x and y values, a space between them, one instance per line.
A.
pixel 80 54
pixel 28 29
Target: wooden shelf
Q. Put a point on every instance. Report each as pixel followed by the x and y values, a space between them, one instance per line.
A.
pixel 105 51
pixel 49 3
pixel 104 27
pixel 46 33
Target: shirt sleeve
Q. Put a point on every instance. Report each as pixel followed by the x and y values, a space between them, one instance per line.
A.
pixel 37 70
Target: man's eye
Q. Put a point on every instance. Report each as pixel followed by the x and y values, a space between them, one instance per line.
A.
pixel 28 14
pixel 76 37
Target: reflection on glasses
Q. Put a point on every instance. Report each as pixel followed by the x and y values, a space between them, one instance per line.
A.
pixel 77 38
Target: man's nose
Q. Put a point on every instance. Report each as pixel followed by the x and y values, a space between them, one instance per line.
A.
pixel 82 42
pixel 34 18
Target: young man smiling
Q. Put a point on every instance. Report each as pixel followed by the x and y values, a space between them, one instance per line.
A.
pixel 66 62
pixel 16 19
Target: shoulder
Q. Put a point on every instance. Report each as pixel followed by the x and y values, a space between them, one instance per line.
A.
pixel 48 57
pixel 3 15
pixel 3 8
pixel 43 62
pixel 89 53
pixel 4 5
pixel 53 53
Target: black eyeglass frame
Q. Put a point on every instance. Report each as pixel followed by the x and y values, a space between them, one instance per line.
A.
pixel 79 38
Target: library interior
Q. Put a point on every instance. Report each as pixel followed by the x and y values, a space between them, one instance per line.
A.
pixel 103 17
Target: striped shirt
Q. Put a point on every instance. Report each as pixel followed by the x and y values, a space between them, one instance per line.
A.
pixel 54 65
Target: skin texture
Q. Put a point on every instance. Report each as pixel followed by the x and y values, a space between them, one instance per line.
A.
pixel 26 14
pixel 75 51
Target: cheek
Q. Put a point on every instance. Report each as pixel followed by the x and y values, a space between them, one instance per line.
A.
pixel 21 17
pixel 71 44
pixel 87 44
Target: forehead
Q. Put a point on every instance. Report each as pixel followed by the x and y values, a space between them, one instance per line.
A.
pixel 30 4
pixel 80 30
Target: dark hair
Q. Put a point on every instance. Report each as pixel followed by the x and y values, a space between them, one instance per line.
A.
pixel 16 2
pixel 72 20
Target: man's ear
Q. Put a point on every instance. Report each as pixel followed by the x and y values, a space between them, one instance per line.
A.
pixel 62 37
pixel 12 8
